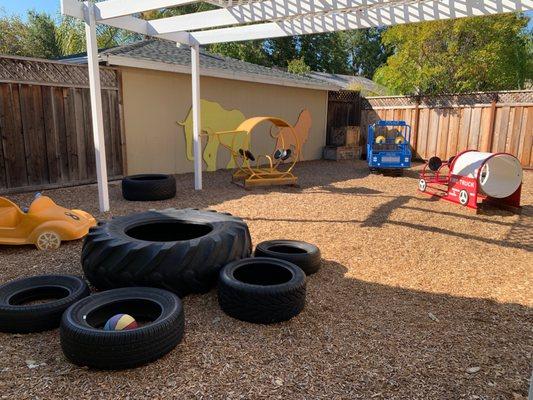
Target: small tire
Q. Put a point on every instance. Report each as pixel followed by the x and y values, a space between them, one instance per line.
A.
pixel 305 255
pixel 15 317
pixel 262 290
pixel 84 343
pixel 148 187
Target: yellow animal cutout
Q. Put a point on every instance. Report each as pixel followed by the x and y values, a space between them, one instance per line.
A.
pixel 301 129
pixel 214 118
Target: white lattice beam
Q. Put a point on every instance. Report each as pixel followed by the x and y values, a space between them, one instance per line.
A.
pixel 257 12
pixel 365 18
pixel 76 9
pixel 118 8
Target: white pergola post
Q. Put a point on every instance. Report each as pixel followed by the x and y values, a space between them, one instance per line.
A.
pixel 96 108
pixel 196 115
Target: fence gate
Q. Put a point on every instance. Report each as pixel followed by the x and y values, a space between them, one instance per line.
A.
pixel 344 109
pixel 45 124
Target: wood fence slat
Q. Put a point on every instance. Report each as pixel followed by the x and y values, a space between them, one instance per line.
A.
pixel 89 141
pixel 444 123
pixel 107 131
pixel 475 124
pixel 60 97
pixel 509 129
pixel 423 133
pixel 80 133
pixel 453 133
pixel 484 130
pixel 526 156
pixel 72 145
pixel 464 129
pixel 433 131
pixel 515 128
pixel 51 134
pixel 40 155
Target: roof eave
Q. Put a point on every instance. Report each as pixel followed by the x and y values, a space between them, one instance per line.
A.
pixel 212 72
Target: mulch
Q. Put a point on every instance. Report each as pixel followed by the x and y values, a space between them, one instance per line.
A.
pixel 416 299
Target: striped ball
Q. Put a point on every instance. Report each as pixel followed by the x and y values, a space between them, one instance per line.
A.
pixel 120 322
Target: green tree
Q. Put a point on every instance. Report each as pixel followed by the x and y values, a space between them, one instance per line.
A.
pixel 41 39
pixel 454 56
pixel 12 36
pixel 298 66
pixel 366 52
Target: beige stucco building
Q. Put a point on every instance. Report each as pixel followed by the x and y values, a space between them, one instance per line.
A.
pixel 156 92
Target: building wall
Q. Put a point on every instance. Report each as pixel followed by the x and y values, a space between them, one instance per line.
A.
pixel 154 101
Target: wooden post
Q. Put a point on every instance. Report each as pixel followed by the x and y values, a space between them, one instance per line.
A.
pixel 96 107
pixel 492 121
pixel 416 120
pixel 196 113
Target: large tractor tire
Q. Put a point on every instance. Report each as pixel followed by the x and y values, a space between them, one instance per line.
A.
pixel 178 250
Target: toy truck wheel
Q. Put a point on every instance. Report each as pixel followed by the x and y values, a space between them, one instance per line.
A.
pixel 463 197
pixel 422 185
pixel 48 241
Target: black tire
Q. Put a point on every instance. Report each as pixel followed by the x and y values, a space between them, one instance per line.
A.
pixel 303 254
pixel 262 290
pixel 178 250
pixel 85 343
pixel 148 187
pixel 434 163
pixel 16 317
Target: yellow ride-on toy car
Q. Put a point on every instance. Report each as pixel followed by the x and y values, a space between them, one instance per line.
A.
pixel 45 224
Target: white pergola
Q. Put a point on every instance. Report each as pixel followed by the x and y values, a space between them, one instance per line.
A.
pixel 249 20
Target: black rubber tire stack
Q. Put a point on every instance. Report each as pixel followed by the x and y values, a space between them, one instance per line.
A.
pixel 85 343
pixel 148 187
pixel 305 255
pixel 17 317
pixel 155 256
pixel 262 290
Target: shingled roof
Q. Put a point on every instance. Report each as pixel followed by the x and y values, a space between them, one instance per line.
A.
pixel 163 55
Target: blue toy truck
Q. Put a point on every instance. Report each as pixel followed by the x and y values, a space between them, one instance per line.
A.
pixel 388 146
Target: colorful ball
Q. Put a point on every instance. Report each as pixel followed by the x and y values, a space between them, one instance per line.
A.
pixel 120 322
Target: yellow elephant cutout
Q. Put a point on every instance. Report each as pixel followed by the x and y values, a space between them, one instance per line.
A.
pixel 214 118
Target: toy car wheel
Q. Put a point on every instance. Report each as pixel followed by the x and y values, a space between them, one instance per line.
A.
pixel 161 327
pixel 463 197
pixel 261 290
pixel 422 185
pixel 48 240
pixel 303 254
pixel 35 304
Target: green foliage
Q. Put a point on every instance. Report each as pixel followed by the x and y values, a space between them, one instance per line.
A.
pixel 12 34
pixel 298 66
pixel 454 56
pixel 366 53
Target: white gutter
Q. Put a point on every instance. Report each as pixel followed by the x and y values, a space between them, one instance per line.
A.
pixel 212 72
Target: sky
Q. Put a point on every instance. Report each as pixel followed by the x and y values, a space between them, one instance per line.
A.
pixel 20 7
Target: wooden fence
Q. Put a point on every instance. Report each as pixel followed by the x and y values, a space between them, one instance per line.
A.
pixel 446 125
pixel 45 124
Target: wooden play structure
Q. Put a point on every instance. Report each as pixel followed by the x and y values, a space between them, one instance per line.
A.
pixel 264 169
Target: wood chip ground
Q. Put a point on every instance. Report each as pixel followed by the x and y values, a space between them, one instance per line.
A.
pixel 416 299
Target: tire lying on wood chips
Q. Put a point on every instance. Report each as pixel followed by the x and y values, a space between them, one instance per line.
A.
pixel 305 255
pixel 148 187
pixel 261 290
pixel 178 250
pixel 60 291
pixel 158 312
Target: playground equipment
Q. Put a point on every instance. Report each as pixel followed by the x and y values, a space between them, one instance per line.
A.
pixel 44 224
pixel 388 145
pixel 264 169
pixel 494 178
